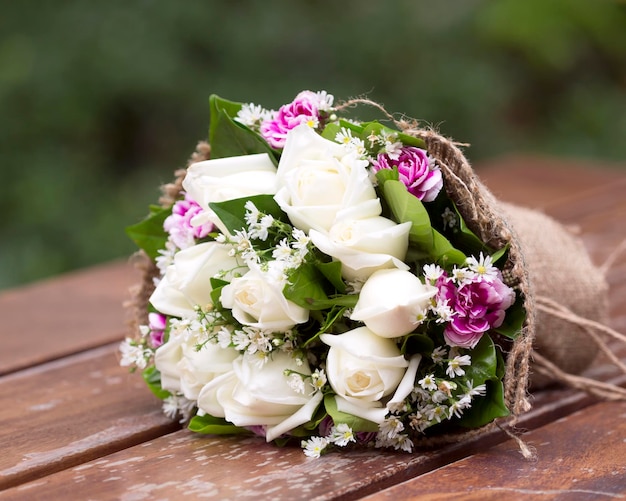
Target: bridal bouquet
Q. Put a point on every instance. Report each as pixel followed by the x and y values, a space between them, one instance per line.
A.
pixel 320 279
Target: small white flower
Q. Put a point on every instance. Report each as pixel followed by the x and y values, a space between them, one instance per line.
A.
pixel 455 410
pixel 224 337
pixel 296 383
pixel 403 442
pixel 341 435
pixel 449 218
pixel 390 427
pixel 132 354
pixel 344 136
pixel 455 365
pixel 479 390
pixel 483 267
pixel 314 446
pixel 252 213
pixel 443 311
pixel 428 382
pixel 166 256
pixel 432 272
pixel 463 276
pixel 318 379
pixel 438 354
pixel 436 413
pixel 439 397
pixel 252 115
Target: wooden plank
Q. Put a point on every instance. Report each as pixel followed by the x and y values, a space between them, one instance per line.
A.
pixel 70 411
pixel 184 464
pixel 64 315
pixel 581 456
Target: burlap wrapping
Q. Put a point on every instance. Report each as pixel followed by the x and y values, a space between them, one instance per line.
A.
pixel 560 269
pixel 544 259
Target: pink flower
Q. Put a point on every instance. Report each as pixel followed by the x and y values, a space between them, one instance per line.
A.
pixel 478 306
pixel 307 107
pixel 156 323
pixel 416 170
pixel 179 226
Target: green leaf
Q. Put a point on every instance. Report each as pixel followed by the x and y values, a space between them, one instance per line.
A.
pixel 229 138
pixel 332 272
pixel 209 425
pixel 487 368
pixel 338 417
pixel 384 175
pixel 514 319
pixel 342 300
pixel 444 252
pixel 411 141
pixel 233 212
pixel 418 343
pixel 486 409
pixel 149 234
pixel 484 361
pixel 152 377
pixel 305 286
pixel 406 207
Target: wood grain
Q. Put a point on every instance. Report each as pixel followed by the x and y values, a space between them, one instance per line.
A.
pixel 581 456
pixel 65 315
pixel 70 411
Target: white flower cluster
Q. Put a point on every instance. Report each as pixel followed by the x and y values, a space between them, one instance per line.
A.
pixel 340 435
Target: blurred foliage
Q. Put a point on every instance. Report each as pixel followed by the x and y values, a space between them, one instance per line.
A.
pixel 101 101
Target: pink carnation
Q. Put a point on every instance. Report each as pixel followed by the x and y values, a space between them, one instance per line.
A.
pixel 416 171
pixel 478 306
pixel 306 107
pixel 156 323
pixel 179 226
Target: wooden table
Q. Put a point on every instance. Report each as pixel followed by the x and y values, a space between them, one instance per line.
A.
pixel 75 425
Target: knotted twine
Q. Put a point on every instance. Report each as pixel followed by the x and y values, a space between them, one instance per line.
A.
pixel 564 294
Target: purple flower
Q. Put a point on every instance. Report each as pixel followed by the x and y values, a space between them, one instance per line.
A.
pixel 478 306
pixel 156 323
pixel 305 108
pixel 179 226
pixel 416 170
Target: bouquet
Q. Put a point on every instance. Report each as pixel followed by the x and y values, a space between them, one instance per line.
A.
pixel 317 279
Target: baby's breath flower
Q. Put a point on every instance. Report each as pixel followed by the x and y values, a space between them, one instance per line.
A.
pixel 314 446
pixel 341 435
pixel 455 365
pixel 449 218
pixel 428 382
pixel 483 267
pixel 438 354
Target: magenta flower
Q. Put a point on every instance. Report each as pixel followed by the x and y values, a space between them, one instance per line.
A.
pixel 477 306
pixel 156 323
pixel 416 170
pixel 179 226
pixel 307 107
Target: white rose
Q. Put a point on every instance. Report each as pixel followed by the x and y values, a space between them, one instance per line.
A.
pixel 186 369
pixel 362 369
pixel 187 282
pixel 390 302
pixel 365 245
pixel 320 181
pixel 258 301
pixel 259 394
pixel 228 178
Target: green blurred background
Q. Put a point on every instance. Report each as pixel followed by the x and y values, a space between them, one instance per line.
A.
pixel 101 101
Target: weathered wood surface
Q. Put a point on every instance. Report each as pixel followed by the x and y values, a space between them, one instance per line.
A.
pixel 41 322
pixel 75 424
pixel 580 456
